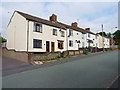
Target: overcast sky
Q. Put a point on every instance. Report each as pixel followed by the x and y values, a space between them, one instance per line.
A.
pixel 87 14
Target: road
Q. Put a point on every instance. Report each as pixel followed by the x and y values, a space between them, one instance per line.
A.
pixel 96 71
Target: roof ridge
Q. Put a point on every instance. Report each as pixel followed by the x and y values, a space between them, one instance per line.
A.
pixel 57 24
pixel 38 19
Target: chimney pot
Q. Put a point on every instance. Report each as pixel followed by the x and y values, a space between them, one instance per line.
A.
pixel 53 17
pixel 74 24
pixel 87 29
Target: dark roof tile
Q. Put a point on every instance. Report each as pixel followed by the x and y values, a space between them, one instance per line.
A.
pixel 37 19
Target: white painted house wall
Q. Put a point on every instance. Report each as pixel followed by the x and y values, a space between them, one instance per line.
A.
pixel 72 38
pixel 106 42
pixel 16 33
pixel 100 41
pixel 46 35
pixel 77 36
pixel 17 37
pixel 90 38
pixel 96 41
pixel 84 40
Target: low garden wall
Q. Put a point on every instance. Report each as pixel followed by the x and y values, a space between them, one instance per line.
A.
pixel 22 56
pixel 44 56
pixel 72 52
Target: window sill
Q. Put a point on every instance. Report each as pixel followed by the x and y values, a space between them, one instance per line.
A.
pixel 37 48
pixel 61 48
pixel 37 31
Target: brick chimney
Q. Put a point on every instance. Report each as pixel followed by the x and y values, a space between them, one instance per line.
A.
pixel 87 29
pixel 74 24
pixel 53 18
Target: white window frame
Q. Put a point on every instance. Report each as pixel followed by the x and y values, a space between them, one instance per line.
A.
pixel 37 28
pixel 55 33
pixel 70 43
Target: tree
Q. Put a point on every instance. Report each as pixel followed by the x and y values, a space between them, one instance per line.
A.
pixel 2 39
pixel 116 37
pixel 104 34
pixel 109 35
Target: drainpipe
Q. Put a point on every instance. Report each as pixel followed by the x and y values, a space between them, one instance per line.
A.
pixel 27 35
pixel 29 55
pixel 67 41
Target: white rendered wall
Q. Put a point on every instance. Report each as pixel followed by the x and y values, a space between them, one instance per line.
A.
pixel 76 37
pixel 46 35
pixel 16 33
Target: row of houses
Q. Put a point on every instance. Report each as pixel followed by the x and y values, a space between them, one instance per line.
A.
pixel 32 34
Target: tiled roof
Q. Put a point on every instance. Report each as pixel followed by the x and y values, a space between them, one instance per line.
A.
pixel 37 19
pixel 74 28
pixel 54 24
pixel 90 32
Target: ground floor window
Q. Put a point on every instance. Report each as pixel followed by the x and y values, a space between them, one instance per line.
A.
pixel 70 43
pixel 37 43
pixel 60 44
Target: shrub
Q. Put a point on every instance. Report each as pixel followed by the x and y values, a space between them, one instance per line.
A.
pixel 58 57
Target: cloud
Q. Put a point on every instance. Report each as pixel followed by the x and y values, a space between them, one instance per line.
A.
pixel 60 1
pixel 87 14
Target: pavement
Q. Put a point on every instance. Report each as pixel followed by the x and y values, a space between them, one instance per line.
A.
pixel 8 63
pixel 91 71
pixel 13 66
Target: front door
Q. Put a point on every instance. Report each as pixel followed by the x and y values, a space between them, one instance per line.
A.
pixel 47 46
pixel 52 46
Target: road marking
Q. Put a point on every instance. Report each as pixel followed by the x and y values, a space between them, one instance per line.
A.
pixel 109 86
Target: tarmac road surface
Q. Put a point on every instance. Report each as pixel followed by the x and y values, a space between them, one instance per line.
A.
pixel 96 71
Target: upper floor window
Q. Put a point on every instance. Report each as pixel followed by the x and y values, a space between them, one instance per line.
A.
pixel 55 32
pixel 96 36
pixel 37 27
pixel 82 36
pixel 88 35
pixel 70 32
pixel 37 43
pixel 62 34
pixel 70 43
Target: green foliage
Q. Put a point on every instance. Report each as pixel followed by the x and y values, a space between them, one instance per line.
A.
pixel 90 47
pixel 104 34
pixel 2 39
pixel 58 57
pixel 109 35
pixel 117 37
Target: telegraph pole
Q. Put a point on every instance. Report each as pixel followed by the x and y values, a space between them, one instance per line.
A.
pixel 102 38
